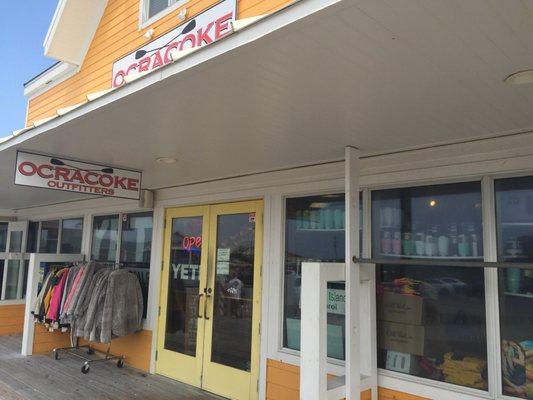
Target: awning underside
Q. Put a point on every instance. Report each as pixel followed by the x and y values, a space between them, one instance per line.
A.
pixel 379 75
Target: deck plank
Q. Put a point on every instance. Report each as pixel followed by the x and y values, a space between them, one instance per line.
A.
pixel 40 377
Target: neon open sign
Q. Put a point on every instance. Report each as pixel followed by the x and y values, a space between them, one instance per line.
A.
pixel 190 242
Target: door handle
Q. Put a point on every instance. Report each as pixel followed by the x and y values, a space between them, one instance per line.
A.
pixel 199 300
pixel 207 296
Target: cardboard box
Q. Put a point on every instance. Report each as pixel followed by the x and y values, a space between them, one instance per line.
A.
pixel 394 307
pixel 403 338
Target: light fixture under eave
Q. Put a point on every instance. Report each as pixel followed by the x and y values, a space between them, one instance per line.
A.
pixel 166 160
pixel 520 78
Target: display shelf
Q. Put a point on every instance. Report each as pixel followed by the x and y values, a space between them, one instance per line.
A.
pixel 319 230
pixel 429 258
pixel 524 295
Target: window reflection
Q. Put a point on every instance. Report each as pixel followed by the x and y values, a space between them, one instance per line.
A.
pixel 49 236
pixel 104 240
pixel 514 213
pixel 431 320
pixel 314 231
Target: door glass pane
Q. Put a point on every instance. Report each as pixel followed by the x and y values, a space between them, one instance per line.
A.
pixel 431 320
pixel 314 232
pixel 15 242
pixel 3 236
pixel 71 235
pixel 104 241
pixel 184 285
pixel 514 212
pixel 49 236
pixel 12 279
pixel 135 248
pixel 233 291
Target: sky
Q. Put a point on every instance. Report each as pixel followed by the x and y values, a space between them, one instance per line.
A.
pixel 23 27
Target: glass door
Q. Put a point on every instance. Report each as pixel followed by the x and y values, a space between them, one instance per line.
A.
pixel 181 313
pixel 210 298
pixel 231 357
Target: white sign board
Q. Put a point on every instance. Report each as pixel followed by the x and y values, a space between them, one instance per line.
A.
pixel 208 27
pixel 74 176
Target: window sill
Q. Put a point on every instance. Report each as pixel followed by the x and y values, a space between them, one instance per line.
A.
pixel 12 302
pixel 427 387
pixel 161 14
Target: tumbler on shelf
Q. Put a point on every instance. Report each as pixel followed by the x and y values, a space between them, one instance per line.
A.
pixel 397 243
pixel 305 219
pixel 420 244
pixel 329 222
pixel 299 219
pixel 386 243
pixel 443 245
pixel 514 278
pixel 338 218
pixel 407 244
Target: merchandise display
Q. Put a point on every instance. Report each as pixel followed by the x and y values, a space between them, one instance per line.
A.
pixel 431 323
pixel 514 218
pixel 314 231
pixel 95 301
pixel 428 222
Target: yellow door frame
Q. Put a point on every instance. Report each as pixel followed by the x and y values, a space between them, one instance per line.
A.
pixel 199 371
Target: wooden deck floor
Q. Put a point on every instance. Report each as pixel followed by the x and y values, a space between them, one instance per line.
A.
pixel 42 378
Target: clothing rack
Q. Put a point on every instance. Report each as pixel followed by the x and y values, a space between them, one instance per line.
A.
pixel 77 349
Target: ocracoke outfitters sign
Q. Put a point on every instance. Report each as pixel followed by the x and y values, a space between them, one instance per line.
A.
pixel 73 176
pixel 206 28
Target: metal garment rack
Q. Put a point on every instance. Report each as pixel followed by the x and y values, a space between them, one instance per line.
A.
pixel 76 351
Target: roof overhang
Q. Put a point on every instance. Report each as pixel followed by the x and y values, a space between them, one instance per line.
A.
pixel 72 29
pixel 293 89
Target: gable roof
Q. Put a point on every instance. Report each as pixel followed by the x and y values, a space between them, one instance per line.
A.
pixel 72 28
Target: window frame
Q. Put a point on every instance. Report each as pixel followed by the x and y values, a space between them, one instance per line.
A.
pixel 119 231
pixel 59 234
pixel 396 380
pixel 144 7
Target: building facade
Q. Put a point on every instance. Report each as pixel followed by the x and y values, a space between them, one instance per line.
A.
pixel 278 139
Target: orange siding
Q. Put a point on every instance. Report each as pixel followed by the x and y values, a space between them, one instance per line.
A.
pixel 136 348
pixel 117 35
pixel 283 383
pixel 11 319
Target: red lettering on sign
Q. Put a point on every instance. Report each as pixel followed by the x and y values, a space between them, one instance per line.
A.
pixel 23 168
pixel 158 61
pixel 116 82
pixel 192 241
pixel 40 171
pixel 144 64
pixel 203 36
pixel 189 38
pixel 222 26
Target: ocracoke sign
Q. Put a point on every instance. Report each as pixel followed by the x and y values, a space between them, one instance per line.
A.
pixel 74 176
pixel 206 28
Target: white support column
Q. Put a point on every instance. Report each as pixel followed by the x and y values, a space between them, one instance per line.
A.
pixel 353 345
pixel 31 295
pixel 313 354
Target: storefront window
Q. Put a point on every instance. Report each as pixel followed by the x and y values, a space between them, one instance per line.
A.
pixel 71 235
pixel 428 222
pixel 104 240
pixel 31 239
pixel 135 248
pixel 314 232
pixel 431 319
pixel 12 279
pixel 49 236
pixel 514 214
pixel 3 236
pixel 15 242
